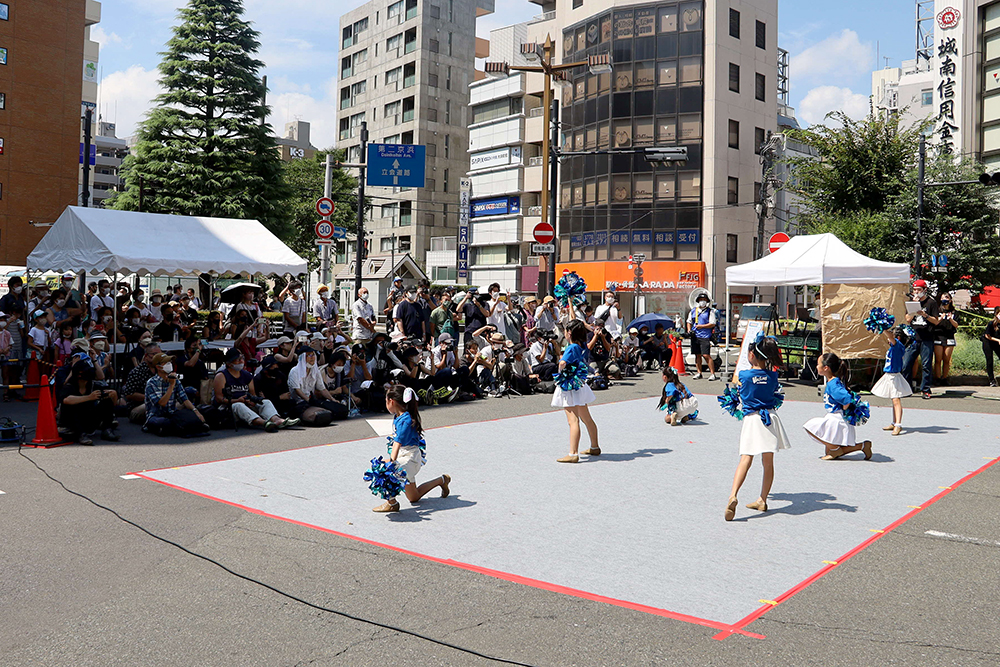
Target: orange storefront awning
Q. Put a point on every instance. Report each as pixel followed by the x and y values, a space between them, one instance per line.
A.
pixel 657 276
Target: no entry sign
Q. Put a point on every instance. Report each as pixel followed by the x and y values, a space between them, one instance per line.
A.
pixel 544 232
pixel 777 240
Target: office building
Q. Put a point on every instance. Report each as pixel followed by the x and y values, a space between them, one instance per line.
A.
pixel 43 80
pixel 105 176
pixel 405 69
pixel 295 144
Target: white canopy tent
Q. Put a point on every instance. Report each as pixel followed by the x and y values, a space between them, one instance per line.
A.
pixel 95 240
pixel 817 259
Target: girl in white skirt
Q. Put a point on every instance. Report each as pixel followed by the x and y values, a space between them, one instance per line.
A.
pixel 676 399
pixel 573 393
pixel 833 430
pixel 892 384
pixel 407 447
pixel 762 431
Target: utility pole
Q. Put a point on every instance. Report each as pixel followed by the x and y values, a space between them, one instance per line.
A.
pixel 359 256
pixel 324 253
pixel 763 205
pixel 87 137
pixel 550 269
pixel 921 163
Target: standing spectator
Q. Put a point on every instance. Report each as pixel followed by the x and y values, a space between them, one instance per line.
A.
pixel 991 344
pixel 363 314
pixel 193 298
pixel 473 307
pixel 701 324
pixel 40 300
pixel 168 408
pixel 410 316
pixel 945 339
pixel 528 327
pixel 15 296
pixel 102 298
pixel 59 313
pixel 248 333
pixel 85 410
pixel 391 301
pixel 294 309
pixel 443 320
pixel 39 338
pixel 610 313
pixel 6 348
pixel 74 300
pixel 169 329
pixel 497 306
pixel 248 303
pixel 325 310
pixel 155 303
pixel 924 323
pixel 546 315
pixel 234 388
pixel 63 342
pixel 426 305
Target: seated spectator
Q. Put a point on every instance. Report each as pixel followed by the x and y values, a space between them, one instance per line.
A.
pixel 213 329
pixel 308 388
pixel 631 348
pixel 655 349
pixel 134 390
pixel 248 334
pixel 193 299
pixel 547 314
pixel 337 381
pixel 542 356
pixel 101 355
pixel 284 355
pixel 417 373
pixel 193 372
pixel 132 327
pixel 169 411
pixel 272 384
pixel 170 328
pixel 155 303
pixel 449 371
pixel 521 377
pixel 87 410
pixel 187 315
pixel 480 364
pixel 234 388
pixel 135 355
pixel 63 343
pixel 363 390
pixel 599 347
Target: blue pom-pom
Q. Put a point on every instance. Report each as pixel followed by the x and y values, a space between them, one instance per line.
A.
pixel 573 376
pixel 779 399
pixel 858 412
pixel 571 288
pixel 730 401
pixel 879 320
pixel 387 479
pixel 693 416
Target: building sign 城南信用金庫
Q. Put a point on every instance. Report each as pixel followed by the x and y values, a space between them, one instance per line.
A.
pixel 947 79
pixel 496 206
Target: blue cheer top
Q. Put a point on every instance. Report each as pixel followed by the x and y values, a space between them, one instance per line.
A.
pixel 894 358
pixel 758 387
pixel 404 433
pixel 573 354
pixel 672 393
pixel 837 396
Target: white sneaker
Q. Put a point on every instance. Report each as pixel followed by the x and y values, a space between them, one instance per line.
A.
pixel 697 376
pixel 712 377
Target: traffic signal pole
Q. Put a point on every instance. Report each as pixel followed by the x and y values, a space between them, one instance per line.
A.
pixel 359 256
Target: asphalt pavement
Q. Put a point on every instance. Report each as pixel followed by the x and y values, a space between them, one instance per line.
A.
pixel 179 579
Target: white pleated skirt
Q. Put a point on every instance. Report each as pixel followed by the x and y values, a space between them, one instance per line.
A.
pixel 892 385
pixel 756 438
pixel 567 399
pixel 686 407
pixel 410 460
pixel 831 429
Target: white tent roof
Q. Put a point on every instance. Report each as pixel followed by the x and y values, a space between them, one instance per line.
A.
pixel 99 240
pixel 818 259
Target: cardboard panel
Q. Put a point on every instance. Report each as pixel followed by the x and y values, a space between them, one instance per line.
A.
pixel 843 309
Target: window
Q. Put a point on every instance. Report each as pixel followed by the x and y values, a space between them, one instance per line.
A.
pixel 393 43
pixel 733 191
pixel 757 199
pixel 734 77
pixel 409 107
pixel 432 80
pixel 359 27
pixel 759 137
pixel 435 11
pixel 496 109
pixel 3 101
pixel 411 9
pixel 345 97
pixel 393 109
pixel 440 274
pixel 495 255
pixel 405 213
pixel 345 67
pixel 4 11
pixel 451 10
pixel 577 4
pixel 409 74
pixel 734 23
pixel 359 88
pixel 355 123
pixel 761 34
pixel 926 98
pixel 450 43
pixel 432 149
pixel 433 46
pixel 358 58
pixel 407 138
pixel 445 184
pixel 759 87
pixel 447 146
pixel 395 10
pixel 734 134
pixel 386 244
pixel 392 139
pixel 447 81
pixel 393 76
pixel 732 248
pixel 348 37
pixel 447 112
pixel 391 212
pixel 410 40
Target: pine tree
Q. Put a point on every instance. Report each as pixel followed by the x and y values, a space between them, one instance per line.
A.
pixel 205 149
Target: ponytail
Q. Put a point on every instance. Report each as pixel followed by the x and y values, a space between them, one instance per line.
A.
pixel 670 375
pixel 399 393
pixel 766 349
pixel 835 364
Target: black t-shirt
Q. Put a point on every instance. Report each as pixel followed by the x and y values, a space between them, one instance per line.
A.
pixel 271 387
pixel 191 376
pixel 925 330
pixel 474 318
pixel 412 316
pixel 165 331
pixel 946 328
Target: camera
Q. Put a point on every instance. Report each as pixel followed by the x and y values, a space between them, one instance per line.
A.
pixel 545 334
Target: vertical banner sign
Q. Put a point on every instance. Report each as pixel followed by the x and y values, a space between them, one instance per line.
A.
pixel 464 204
pixel 948 78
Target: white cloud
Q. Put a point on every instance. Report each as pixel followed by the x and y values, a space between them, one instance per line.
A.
pixel 126 96
pixel 103 38
pixel 821 100
pixel 838 59
pixel 318 111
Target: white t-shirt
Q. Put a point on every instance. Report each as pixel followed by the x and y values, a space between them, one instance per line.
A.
pixel 544 319
pixel 362 310
pixel 99 302
pixel 295 309
pixel 631 341
pixel 612 321
pixel 522 367
pixel 40 337
pixel 538 348
pixel 307 382
pixel 496 319
pixel 154 316
pixel 437 358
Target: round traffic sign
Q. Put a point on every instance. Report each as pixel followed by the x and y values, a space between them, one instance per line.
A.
pixel 324 206
pixel 544 233
pixel 777 240
pixel 324 229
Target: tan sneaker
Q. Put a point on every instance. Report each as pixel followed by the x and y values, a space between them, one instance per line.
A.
pixel 866 449
pixel 386 507
pixel 593 451
pixel 570 458
pixel 888 428
pixel 731 509
pixel 758 505
pixel 445 481
pixel 896 430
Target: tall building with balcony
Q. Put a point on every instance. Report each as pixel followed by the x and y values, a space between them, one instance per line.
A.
pixel 296 144
pixel 405 69
pixel 91 68
pixel 42 82
pixel 110 151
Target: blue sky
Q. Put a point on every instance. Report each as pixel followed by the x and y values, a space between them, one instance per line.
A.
pixel 833 47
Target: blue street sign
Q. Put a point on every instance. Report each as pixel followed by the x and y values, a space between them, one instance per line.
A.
pixel 93 154
pixel 396 165
pixel 339 233
pixel 933 260
pixel 943 260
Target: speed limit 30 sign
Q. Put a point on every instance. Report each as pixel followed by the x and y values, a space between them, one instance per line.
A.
pixel 324 229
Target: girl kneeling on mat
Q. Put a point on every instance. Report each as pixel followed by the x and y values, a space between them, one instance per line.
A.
pixel 892 384
pixel 833 430
pixel 676 399
pixel 762 432
pixel 408 447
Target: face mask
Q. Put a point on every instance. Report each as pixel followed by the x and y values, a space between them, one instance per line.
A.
pixel 168 367
pixel 446 303
pixel 411 297
pixel 60 303
pixel 237 367
pixel 145 341
pixel 364 297
pixel 67 284
pixel 494 294
pixel 338 369
pixel 703 304
pixel 156 299
pixel 105 291
pixel 108 318
pixel 17 290
pixel 99 346
pixel 298 292
pixel 3 325
pixel 43 295
pixel 919 296
pixel 135 321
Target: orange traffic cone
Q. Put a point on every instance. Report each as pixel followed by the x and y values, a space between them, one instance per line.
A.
pixel 46 433
pixel 677 357
pixel 31 394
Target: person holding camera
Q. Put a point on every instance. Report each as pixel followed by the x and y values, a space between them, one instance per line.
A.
pixel 547 314
pixel 701 323
pixel 599 347
pixel 473 307
pixel 169 411
pixel 363 318
pixel 234 388
pixel 87 410
pixel 542 355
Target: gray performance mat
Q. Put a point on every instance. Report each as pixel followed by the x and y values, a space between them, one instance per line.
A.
pixel 642 525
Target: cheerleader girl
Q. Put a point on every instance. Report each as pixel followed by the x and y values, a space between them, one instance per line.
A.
pixel 762 432
pixel 833 430
pixel 676 399
pixel 408 447
pixel 892 384
pixel 573 394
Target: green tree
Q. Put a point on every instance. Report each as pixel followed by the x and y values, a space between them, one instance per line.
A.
pixel 205 148
pixel 305 182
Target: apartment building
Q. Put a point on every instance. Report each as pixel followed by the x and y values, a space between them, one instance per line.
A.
pixel 405 69
pixel 42 83
pixel 88 97
pixel 296 144
pixel 109 152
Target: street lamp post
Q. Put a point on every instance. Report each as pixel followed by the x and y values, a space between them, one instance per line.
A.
pixel 542 56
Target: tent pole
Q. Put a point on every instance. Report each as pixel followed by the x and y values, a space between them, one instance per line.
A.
pixel 113 341
pixel 729 327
